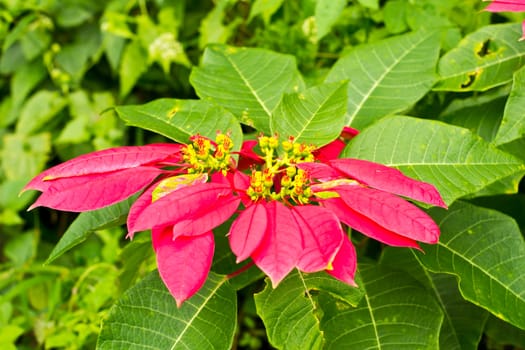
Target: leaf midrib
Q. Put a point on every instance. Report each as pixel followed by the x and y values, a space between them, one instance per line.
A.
pixel 198 311
pixel 388 69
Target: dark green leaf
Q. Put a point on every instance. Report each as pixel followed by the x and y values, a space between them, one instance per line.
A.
pixel 315 116
pixel 146 317
pixel 180 119
pixel 289 311
pixel 463 322
pixel 396 313
pixel 383 75
pixel 248 82
pixel 88 222
pixel 486 251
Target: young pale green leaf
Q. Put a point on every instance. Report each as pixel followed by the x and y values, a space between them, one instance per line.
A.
pixel 249 82
pixel 485 249
pixel 513 124
pixel 460 163
pixel 180 119
pixel 146 317
pixel 39 110
pixel 88 222
pixel 395 313
pixel 133 64
pixel 289 311
pixel 463 322
pixel 265 8
pixel 326 14
pixel 482 60
pixel 383 75
pixel 315 116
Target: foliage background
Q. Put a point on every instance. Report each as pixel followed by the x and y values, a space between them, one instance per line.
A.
pixel 64 64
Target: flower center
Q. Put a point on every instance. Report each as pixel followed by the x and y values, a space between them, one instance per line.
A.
pixel 203 158
pixel 280 179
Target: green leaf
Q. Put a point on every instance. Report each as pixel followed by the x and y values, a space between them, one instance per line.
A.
pixel 146 317
pixel 504 334
pixel 265 8
pixel 25 79
pixel 249 82
pixel 457 331
pixel 314 116
pixel 513 124
pixel 382 75
pixel 180 119
pixel 482 60
pixel 326 14
pixel 88 222
pixel 486 251
pixel 289 311
pixel 23 157
pixel 134 63
pixel 39 110
pixel 458 164
pixel 481 115
pixel 373 4
pixel 396 313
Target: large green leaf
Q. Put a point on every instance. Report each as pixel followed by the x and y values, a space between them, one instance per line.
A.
pixel 289 311
pixel 463 322
pixel 396 313
pixel 513 124
pixel 249 82
pixel 146 317
pixel 88 222
pixel 315 116
pixel 452 158
pixel 180 119
pixel 482 60
pixel 486 251
pixel 387 76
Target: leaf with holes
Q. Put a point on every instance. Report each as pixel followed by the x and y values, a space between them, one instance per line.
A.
pixel 146 317
pixel 482 60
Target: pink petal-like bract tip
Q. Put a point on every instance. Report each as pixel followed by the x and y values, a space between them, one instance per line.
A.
pixel 388 179
pixel 506 6
pixel 322 237
pixel 247 231
pixel 279 251
pixel 344 265
pixel 183 263
pixel 90 192
pixel 106 161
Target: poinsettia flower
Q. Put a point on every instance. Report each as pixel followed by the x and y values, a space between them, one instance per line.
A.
pixel 292 206
pixel 508 6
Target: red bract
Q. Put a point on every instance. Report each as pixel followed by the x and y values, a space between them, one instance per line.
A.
pixel 293 204
pixel 508 6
